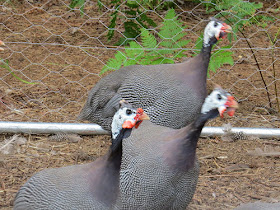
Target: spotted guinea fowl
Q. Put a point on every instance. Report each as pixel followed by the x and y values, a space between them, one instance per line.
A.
pixel 90 186
pixel 166 92
pixel 159 167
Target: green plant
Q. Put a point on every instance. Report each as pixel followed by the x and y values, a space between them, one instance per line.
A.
pixel 166 51
pixel 135 19
pixel 152 51
pixel 5 65
pixel 78 3
pixel 273 41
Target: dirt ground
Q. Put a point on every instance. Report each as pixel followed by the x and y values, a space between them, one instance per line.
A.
pixel 42 39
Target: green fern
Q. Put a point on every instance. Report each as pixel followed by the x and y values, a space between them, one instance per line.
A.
pixel 135 19
pixel 151 51
pixel 221 57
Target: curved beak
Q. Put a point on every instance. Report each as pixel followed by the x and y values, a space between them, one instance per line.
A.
pixel 226 28
pixel 223 32
pixel 143 116
pixel 140 117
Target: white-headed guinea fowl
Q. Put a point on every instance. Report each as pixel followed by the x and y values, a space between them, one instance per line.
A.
pixel 171 94
pixel 90 186
pixel 159 167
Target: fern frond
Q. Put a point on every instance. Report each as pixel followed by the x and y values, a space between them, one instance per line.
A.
pixel 219 58
pixel 134 50
pixel 148 40
pixel 172 28
pixel 114 63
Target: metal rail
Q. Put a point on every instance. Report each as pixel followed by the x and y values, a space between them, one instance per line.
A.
pixel 51 128
pixel 94 129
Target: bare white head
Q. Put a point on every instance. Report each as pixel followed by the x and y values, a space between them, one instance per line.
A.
pixel 127 117
pixel 215 30
pixel 221 100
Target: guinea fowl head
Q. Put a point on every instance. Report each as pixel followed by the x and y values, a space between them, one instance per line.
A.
pixel 215 30
pixel 221 101
pixel 127 117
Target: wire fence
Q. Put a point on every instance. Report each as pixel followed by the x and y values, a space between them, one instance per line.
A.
pixel 60 51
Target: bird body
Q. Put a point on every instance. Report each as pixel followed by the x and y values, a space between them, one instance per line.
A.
pixel 154 101
pixel 173 89
pixel 63 188
pixel 159 167
pixel 151 177
pixel 89 186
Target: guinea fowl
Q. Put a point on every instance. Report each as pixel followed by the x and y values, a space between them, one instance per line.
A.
pixel 166 92
pixel 89 186
pixel 159 167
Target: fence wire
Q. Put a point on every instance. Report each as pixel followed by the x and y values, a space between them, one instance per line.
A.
pixel 60 51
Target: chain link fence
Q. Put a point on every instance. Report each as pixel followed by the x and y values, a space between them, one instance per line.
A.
pixel 55 54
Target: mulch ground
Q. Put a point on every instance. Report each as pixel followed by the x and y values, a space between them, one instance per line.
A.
pixel 232 170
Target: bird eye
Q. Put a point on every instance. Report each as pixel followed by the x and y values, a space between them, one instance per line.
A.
pixel 128 112
pixel 215 24
pixel 219 97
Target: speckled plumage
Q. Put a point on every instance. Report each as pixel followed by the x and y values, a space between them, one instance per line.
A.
pixel 159 167
pixel 147 180
pixel 90 186
pixel 177 90
pixel 63 188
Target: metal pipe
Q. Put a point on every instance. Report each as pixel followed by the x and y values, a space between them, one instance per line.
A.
pixel 258 132
pixel 94 129
pixel 51 128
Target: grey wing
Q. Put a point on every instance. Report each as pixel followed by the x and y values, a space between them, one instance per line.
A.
pixel 112 106
pixel 103 100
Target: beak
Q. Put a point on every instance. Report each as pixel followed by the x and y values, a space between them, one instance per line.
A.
pixel 231 102
pixel 226 28
pixel 140 117
pixel 144 116
pixel 223 32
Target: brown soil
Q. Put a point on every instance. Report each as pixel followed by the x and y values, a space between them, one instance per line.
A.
pixel 64 74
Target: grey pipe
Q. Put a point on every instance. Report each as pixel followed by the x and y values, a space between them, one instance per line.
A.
pixel 94 129
pixel 258 132
pixel 51 128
